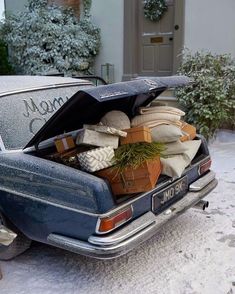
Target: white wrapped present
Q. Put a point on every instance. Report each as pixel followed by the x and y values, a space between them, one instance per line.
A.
pixel 96 159
pixel 106 130
pixel 90 137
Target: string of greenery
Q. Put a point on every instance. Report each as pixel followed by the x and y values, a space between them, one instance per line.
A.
pixel 134 155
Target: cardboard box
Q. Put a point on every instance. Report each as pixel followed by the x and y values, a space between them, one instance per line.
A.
pixel 93 138
pixel 64 143
pixel 136 135
pixel 189 132
pixel 130 181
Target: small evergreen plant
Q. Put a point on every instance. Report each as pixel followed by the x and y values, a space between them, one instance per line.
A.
pixel 48 38
pixel 210 101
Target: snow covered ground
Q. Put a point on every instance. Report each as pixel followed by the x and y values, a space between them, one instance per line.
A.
pixel 193 254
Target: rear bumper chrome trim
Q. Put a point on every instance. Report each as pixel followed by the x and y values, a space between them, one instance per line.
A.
pixel 132 234
pixel 202 182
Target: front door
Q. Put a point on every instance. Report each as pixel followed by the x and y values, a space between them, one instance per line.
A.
pixel 156 42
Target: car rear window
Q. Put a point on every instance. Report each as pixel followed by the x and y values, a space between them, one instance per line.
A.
pixel 23 114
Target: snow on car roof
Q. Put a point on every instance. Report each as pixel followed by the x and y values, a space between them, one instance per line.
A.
pixel 14 84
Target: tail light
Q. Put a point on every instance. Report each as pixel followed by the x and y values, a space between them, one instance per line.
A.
pixel 204 166
pixel 107 224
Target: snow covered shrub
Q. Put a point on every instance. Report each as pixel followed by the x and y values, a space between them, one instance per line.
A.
pixel 48 38
pixel 210 101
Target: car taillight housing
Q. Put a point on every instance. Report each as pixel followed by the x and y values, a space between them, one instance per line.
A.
pixel 204 166
pixel 107 224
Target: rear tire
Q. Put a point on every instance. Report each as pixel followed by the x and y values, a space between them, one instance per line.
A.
pixel 18 246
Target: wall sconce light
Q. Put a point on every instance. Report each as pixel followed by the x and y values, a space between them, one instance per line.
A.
pixel 107 72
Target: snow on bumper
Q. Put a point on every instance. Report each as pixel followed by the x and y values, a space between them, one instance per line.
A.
pixel 136 232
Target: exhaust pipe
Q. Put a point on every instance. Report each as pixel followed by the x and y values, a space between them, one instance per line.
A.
pixel 202 205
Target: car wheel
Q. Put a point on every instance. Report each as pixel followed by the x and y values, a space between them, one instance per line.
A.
pixel 18 246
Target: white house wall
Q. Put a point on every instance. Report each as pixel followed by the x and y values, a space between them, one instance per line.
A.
pixel 14 5
pixel 108 15
pixel 1 9
pixel 210 25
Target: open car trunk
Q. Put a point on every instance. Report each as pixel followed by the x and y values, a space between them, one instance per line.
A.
pixel 88 106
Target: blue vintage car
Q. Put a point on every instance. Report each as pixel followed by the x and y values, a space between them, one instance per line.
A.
pixel 52 203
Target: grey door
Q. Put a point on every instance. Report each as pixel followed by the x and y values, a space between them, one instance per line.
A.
pixel 155 54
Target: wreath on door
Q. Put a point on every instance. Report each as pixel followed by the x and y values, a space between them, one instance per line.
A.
pixel 154 9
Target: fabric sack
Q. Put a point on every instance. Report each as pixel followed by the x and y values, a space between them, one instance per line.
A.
pixel 166 133
pixel 175 148
pixel 174 166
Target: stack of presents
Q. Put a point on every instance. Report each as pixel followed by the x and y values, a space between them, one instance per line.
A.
pixel 95 148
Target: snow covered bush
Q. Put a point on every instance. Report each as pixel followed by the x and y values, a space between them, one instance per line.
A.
pixel 209 102
pixel 48 38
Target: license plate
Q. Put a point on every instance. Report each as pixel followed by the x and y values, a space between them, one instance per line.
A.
pixel 170 194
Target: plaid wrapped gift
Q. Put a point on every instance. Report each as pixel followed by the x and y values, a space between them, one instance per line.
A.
pixel 96 159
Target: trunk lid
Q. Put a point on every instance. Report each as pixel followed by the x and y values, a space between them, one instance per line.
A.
pixel 89 105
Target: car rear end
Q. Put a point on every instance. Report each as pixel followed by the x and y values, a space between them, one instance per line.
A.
pixel 134 219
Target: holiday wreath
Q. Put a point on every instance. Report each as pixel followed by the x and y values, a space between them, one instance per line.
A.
pixel 154 9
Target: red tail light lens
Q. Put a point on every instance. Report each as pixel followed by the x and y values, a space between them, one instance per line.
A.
pixel 205 166
pixel 107 224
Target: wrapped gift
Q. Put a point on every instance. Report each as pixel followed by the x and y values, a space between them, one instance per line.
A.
pixel 64 143
pixel 189 132
pixel 106 130
pixel 96 159
pixel 130 180
pixel 136 135
pixel 93 138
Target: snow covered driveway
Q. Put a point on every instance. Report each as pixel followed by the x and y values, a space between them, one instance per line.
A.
pixel 193 254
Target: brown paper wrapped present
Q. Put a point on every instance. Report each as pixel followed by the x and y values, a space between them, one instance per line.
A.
pixel 189 132
pixel 136 135
pixel 64 143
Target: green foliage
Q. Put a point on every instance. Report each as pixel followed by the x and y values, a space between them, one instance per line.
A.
pixel 5 67
pixel 51 38
pixel 154 9
pixel 134 155
pixel 210 101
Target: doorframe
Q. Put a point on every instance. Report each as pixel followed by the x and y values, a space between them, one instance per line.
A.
pixel 131 46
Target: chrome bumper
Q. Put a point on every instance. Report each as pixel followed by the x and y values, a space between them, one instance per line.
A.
pixel 139 230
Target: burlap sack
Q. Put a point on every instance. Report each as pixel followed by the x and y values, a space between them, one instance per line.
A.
pixel 174 166
pixel 175 148
pixel 166 133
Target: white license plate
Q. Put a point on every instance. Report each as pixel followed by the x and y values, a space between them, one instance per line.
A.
pixel 170 194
